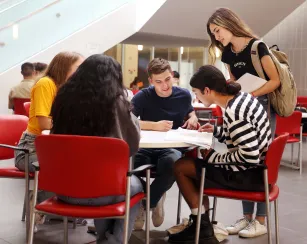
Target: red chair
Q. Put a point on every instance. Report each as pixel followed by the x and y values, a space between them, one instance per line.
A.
pixel 293 126
pixel 215 118
pixel 270 170
pixel 71 161
pixel 18 105
pixel 11 129
pixel 301 102
pixel 26 107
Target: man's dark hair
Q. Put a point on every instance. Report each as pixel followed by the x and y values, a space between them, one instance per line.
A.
pixel 27 69
pixel 176 74
pixel 211 77
pixel 40 67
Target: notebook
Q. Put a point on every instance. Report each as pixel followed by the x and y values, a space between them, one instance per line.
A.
pixel 250 83
pixel 202 139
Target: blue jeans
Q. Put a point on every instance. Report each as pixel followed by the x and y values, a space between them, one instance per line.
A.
pixel 110 231
pixel 248 207
pixel 164 160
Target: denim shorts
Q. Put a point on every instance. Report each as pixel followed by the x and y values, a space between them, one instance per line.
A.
pixel 27 142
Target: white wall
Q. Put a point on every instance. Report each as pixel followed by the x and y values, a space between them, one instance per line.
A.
pixel 291 37
pixel 94 38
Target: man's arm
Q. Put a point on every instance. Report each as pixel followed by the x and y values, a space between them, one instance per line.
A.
pixel 191 123
pixel 162 125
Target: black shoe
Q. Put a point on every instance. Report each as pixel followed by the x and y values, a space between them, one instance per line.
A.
pixel 186 236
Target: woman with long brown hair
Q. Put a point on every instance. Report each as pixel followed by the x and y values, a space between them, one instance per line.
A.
pixel 231 36
pixel 62 66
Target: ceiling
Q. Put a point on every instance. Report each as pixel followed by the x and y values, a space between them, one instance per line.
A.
pixel 184 21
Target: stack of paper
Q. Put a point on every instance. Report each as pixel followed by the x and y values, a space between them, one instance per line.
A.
pixel 202 139
pixel 250 83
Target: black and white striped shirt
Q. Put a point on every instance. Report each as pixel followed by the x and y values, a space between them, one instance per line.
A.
pixel 246 131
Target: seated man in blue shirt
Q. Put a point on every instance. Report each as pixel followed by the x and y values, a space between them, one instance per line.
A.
pixel 161 107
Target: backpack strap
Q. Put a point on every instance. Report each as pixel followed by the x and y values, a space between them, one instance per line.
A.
pixel 256 59
pixel 258 66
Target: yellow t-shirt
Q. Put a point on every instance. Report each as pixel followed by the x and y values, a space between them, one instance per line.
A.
pixel 42 96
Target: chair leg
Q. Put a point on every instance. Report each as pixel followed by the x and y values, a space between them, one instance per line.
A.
pixel 23 216
pixel 292 149
pixel 200 203
pixel 300 158
pixel 214 209
pixel 74 224
pixel 267 203
pixel 179 207
pixel 147 206
pixel 276 221
pixel 65 230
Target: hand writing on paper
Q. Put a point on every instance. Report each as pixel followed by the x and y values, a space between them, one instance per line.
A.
pixel 206 128
pixel 164 125
pixel 204 152
pixel 191 123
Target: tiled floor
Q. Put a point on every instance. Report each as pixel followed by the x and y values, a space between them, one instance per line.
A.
pixel 292 213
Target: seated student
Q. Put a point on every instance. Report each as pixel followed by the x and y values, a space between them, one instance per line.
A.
pixel 247 134
pixel 93 103
pixel 23 89
pixel 62 66
pixel 161 107
pixel 40 69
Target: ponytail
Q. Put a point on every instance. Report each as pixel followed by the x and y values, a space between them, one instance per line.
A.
pixel 232 88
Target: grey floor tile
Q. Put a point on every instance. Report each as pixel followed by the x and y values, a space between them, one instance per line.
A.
pixel 292 213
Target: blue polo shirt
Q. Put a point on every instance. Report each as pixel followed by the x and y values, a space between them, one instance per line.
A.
pixel 151 107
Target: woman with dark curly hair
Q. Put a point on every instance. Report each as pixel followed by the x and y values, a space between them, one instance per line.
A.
pixel 93 103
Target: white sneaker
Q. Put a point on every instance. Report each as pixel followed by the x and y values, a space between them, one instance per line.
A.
pixel 140 219
pixel 238 226
pixel 220 231
pixel 158 212
pixel 254 229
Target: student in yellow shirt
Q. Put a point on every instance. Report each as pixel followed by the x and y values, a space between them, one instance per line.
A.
pixel 43 93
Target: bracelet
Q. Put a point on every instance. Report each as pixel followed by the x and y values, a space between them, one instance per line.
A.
pixel 253 94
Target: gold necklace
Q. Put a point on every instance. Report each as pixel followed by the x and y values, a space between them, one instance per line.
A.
pixel 237 53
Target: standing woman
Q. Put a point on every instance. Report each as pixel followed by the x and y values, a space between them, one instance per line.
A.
pixel 230 35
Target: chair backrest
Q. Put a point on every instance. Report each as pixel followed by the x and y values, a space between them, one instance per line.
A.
pixel 273 157
pixel 302 102
pixel 217 112
pixel 291 124
pixel 11 128
pixel 18 105
pixel 26 106
pixel 82 166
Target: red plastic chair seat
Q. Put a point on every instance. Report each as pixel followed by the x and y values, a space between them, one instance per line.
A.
pixel 54 206
pixel 293 139
pixel 243 195
pixel 13 172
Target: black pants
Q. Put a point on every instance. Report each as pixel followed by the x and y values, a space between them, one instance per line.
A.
pixel 228 178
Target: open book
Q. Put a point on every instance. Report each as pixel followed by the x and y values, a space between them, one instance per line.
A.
pixel 250 83
pixel 202 139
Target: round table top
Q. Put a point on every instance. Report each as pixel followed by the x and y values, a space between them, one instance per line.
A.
pixel 153 139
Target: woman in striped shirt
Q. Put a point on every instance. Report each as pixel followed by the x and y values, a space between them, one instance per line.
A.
pixel 247 134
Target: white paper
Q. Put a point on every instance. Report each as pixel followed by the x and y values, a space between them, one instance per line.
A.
pixel 250 83
pixel 202 139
